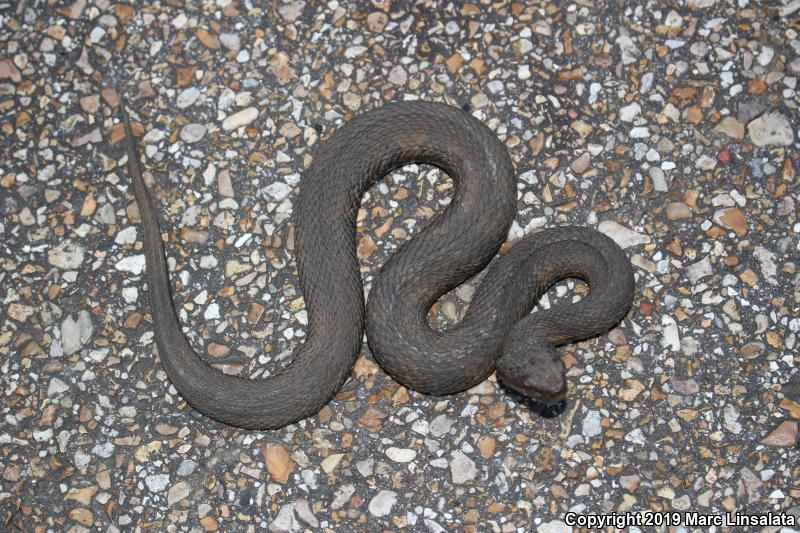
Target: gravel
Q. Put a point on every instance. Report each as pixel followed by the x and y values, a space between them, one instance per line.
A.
pixel 670 127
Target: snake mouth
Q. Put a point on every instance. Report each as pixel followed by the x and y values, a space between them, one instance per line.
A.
pixel 546 389
pixel 546 392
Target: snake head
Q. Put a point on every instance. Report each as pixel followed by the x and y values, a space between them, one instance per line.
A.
pixel 533 368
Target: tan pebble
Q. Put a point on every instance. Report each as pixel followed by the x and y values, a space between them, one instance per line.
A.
pixel 224 183
pixel 364 367
pixel 376 21
pixel 218 350
pixel 753 350
pixel 678 211
pixel 83 496
pixel 330 463
pixel 581 128
pixel 372 419
pixel 254 314
pixel 289 130
pixel 733 219
pixel 366 247
pixel 82 516
pixel 209 523
pixel 103 477
pixel 454 63
pixel 785 435
pixel 749 277
pixel 581 164
pixel 791 406
pixel 487 446
pixel 90 104
pixel 89 206
pixel 774 340
pixel 630 394
pixel 628 502
pixel 731 128
pixel 165 429
pixel 279 464
pixel 209 40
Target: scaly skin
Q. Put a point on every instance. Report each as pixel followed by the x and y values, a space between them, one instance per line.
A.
pixel 454 246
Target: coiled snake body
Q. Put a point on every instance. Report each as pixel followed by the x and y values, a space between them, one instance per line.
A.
pixel 496 331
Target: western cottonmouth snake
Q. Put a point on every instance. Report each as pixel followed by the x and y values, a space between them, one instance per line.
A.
pixel 496 331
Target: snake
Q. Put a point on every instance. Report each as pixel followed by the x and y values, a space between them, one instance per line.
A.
pixel 498 331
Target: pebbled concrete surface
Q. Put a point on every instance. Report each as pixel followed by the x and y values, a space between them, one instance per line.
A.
pixel 668 125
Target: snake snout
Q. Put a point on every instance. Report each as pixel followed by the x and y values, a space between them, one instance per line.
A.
pixel 533 368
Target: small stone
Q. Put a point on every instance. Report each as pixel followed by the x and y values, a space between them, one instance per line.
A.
pixel 192 133
pixel 82 516
pixel 731 128
pixel 157 482
pixel 785 435
pixel 765 57
pixel 291 11
pixel 217 350
pixel 554 526
pixel 330 463
pixel 441 425
pixel 381 504
pixel 187 467
pixel 76 333
pixel 133 264
pixel 591 424
pixel 401 455
pixel 212 311
pixel 685 386
pixel 354 51
pixel 231 41
pixel 705 162
pixel 9 71
pixel 630 112
pixel 678 211
pixel 376 21
pixel 462 468
pixel 630 483
pixel 290 130
pixel 731 419
pixel 628 49
pixel 366 247
pixel 398 75
pixel 733 219
pixel 771 129
pixel 241 118
pixel 178 492
pixel 753 350
pixel 67 255
pixel 279 464
pixel 700 4
pixel 699 270
pixel 56 388
pixel 581 163
pixel 209 523
pixel 487 446
pixel 187 97
pixel 624 237
pixel 224 184
pixel 278 190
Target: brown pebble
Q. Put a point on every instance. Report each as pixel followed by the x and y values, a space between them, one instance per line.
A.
pixel 218 350
pixel 678 211
pixel 279 464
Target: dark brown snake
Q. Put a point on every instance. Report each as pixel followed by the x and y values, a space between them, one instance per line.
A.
pixel 497 331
